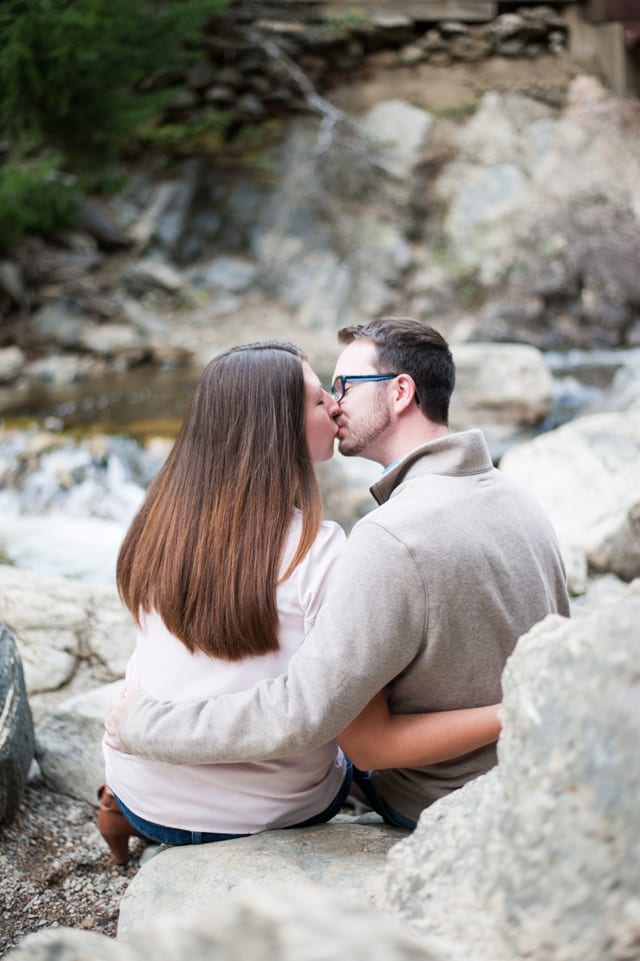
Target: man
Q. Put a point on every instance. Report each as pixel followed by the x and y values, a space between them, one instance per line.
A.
pixel 434 589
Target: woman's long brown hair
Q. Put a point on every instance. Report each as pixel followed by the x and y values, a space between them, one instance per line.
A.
pixel 205 549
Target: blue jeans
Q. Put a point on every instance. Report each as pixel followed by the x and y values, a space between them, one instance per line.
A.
pixel 378 803
pixel 166 835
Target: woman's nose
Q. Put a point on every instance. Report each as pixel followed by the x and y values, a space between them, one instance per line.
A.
pixel 332 404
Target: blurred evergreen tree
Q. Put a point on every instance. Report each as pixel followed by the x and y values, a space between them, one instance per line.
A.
pixel 75 74
pixel 78 80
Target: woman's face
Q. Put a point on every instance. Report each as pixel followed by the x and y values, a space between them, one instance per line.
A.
pixel 320 409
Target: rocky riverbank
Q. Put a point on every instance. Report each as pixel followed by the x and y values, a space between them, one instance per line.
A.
pixel 511 220
pixel 54 869
pixel 498 201
pixel 522 863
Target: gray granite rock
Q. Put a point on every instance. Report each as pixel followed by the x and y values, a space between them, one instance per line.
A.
pixel 344 857
pixel 12 361
pixel 585 474
pixel 68 743
pixel 72 637
pixel 70 944
pixel 16 727
pixel 287 923
pixel 539 858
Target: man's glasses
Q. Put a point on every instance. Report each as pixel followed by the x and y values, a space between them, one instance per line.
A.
pixel 340 384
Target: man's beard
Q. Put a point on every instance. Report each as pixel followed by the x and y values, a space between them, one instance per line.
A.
pixel 364 431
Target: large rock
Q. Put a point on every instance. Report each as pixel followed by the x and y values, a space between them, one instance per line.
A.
pixel 586 476
pixel 624 393
pixel 539 858
pixel 488 186
pixel 72 637
pixel 519 160
pixel 399 131
pixel 501 388
pixel 284 923
pixel 343 857
pixel 12 361
pixel 328 240
pixel 542 206
pixel 68 743
pixel 16 727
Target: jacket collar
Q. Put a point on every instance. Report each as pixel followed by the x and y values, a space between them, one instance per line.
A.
pixel 465 452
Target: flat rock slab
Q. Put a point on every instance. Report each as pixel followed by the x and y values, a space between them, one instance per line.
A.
pixel 343 856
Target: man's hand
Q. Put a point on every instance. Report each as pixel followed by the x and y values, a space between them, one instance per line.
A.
pixel 128 693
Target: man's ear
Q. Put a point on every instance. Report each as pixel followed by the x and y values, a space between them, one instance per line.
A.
pixel 403 392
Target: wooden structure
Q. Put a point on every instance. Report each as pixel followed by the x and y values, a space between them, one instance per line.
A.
pixel 605 34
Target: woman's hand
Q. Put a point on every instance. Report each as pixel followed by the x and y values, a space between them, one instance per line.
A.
pixel 128 693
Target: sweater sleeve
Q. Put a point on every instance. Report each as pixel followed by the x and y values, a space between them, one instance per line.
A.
pixel 369 629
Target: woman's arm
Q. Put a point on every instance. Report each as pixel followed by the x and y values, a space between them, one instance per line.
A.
pixel 378 739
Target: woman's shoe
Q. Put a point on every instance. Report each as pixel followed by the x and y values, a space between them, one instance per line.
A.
pixel 113 825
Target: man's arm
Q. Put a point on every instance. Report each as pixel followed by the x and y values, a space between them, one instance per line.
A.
pixel 368 630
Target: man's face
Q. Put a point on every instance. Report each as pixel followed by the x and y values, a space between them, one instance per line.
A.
pixel 364 414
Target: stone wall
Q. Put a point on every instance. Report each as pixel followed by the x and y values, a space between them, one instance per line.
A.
pixel 269 65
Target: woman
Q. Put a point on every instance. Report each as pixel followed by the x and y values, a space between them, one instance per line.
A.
pixel 224 568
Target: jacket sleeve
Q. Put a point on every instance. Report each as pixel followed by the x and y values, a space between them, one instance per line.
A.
pixel 368 630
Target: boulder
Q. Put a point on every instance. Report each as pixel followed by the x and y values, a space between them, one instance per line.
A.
pixel 518 164
pixel 232 275
pixel 340 856
pixel 604 589
pixel 12 361
pixel 586 476
pixel 624 392
pixel 72 637
pixel 399 131
pixel 500 384
pixel 147 275
pixel 329 238
pixel 183 216
pixel 63 369
pixel 293 237
pixel 68 743
pixel 12 282
pixel 289 923
pixel 539 858
pixel 16 727
pixel 97 220
pixel 488 186
pixel 59 322
pixel 108 339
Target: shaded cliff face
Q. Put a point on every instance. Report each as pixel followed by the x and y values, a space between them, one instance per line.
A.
pixel 494 196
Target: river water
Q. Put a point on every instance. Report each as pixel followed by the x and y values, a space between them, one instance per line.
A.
pixel 67 497
pixel 146 402
pixel 142 402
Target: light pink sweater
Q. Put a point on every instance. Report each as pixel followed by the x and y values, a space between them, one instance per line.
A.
pixel 232 798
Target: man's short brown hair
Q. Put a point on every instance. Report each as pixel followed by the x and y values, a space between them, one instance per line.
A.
pixel 407 346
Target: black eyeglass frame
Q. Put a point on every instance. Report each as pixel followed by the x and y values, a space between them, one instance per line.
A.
pixel 359 379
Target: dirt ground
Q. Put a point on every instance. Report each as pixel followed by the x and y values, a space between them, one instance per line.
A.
pixel 55 869
pixel 456 88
